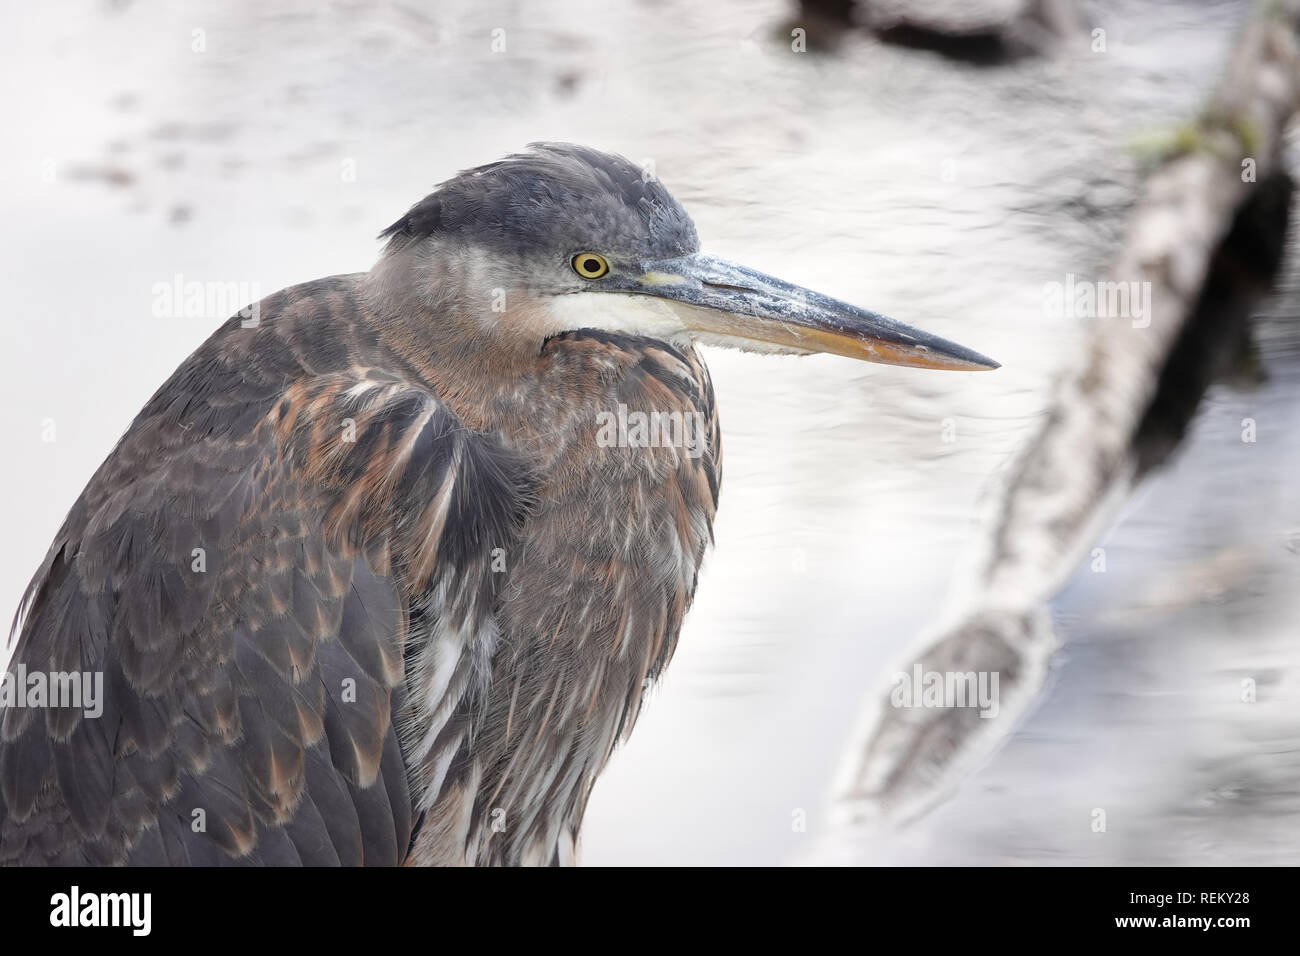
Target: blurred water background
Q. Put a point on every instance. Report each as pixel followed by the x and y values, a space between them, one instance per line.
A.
pixel 268 144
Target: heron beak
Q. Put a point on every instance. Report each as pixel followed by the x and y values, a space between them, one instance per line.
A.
pixel 734 305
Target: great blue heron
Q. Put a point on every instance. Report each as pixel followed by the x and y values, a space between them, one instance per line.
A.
pixel 381 575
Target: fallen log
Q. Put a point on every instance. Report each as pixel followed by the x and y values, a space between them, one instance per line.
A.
pixel 1203 243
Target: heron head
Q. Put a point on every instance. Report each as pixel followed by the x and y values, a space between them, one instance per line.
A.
pixel 564 237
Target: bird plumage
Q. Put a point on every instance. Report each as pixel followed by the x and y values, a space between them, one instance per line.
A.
pixel 411 639
pixel 372 578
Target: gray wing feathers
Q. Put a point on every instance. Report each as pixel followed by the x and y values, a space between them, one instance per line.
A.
pixel 242 585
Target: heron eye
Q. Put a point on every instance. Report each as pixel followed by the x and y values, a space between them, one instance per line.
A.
pixel 589 265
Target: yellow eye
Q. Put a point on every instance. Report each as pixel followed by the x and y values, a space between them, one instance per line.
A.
pixel 589 265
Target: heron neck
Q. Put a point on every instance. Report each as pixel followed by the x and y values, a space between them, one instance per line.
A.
pixel 482 363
